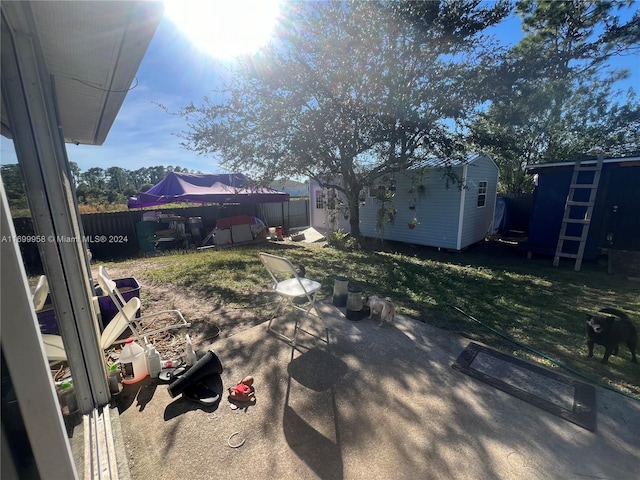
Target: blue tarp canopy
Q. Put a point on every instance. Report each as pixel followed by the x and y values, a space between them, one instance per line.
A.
pixel 206 188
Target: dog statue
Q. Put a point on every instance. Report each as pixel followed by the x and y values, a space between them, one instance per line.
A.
pixel 381 306
pixel 609 332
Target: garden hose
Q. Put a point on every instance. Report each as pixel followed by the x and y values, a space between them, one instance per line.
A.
pixel 546 357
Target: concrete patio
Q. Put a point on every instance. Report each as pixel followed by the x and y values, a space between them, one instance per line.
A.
pixel 378 402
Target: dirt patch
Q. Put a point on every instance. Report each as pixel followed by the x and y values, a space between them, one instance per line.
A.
pixel 209 320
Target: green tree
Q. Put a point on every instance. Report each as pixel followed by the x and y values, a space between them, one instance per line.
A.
pixel 14 186
pixel 350 92
pixel 116 179
pixel 75 173
pixel 557 98
pixel 94 178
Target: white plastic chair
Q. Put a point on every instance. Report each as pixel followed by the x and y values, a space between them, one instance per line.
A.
pixel 40 293
pixel 288 284
pixel 143 329
pixel 54 347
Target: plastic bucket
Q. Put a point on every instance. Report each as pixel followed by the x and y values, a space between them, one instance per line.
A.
pixel 340 289
pixel 354 303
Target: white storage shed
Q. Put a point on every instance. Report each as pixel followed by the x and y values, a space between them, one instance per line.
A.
pixel 444 216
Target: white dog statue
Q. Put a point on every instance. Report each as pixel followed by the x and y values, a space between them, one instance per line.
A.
pixel 383 307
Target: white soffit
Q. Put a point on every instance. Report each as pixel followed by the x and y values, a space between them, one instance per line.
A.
pixel 93 49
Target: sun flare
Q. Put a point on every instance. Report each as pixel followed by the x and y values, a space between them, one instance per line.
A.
pixel 225 28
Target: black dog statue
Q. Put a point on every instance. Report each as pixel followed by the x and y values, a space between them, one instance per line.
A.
pixel 609 332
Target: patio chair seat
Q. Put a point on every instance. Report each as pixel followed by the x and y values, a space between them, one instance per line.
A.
pixel 295 287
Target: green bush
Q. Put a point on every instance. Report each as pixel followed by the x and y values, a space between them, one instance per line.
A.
pixel 341 240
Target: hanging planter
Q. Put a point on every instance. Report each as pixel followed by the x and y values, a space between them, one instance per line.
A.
pixel 412 223
pixel 386 214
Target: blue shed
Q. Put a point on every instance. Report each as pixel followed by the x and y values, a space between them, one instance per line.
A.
pixel 615 223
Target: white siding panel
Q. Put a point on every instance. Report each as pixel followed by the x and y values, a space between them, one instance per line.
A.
pixel 477 220
pixel 436 211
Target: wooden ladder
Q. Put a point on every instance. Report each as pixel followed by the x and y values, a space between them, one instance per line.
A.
pixel 580 166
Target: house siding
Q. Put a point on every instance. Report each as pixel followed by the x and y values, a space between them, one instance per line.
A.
pixel 441 222
pixel 478 220
pixel 437 212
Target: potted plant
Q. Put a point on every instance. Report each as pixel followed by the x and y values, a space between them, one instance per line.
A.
pixel 412 223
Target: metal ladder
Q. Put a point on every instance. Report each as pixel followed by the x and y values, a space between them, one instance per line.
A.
pixel 580 166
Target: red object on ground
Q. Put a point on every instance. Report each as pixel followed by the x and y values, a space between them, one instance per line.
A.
pixel 242 389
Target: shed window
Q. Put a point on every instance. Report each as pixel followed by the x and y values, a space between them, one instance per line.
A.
pixel 319 200
pixel 326 199
pixel 482 194
pixel 379 191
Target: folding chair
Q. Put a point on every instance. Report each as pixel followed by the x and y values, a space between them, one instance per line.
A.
pixel 143 330
pixel 290 285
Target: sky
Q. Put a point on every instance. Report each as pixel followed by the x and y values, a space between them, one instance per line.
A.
pixel 174 73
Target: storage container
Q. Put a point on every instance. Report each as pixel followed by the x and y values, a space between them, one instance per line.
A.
pixel 114 378
pixel 128 287
pixel 354 303
pixel 340 287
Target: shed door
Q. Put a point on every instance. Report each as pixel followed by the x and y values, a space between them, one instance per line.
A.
pixel 621 213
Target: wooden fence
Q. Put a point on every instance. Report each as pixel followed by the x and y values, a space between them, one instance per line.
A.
pixel 119 228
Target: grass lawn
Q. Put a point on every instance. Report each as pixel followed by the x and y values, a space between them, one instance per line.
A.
pixel 529 301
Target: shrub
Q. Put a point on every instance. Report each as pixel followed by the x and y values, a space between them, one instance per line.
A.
pixel 341 240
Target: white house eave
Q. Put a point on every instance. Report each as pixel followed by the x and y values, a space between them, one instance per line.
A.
pixel 92 50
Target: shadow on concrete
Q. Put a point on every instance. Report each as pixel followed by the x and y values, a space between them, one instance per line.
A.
pixel 311 438
pixel 380 402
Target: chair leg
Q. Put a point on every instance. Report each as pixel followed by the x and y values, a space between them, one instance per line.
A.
pixel 297 327
pixel 282 336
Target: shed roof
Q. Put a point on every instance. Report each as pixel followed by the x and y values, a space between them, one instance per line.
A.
pixel 453 162
pixel 627 161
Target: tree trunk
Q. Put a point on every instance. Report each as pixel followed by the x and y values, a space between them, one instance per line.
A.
pixel 354 213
